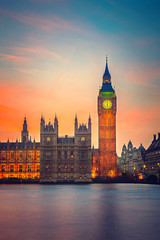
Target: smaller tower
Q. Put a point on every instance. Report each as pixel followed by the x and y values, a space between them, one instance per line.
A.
pixel 24 133
pixel 75 124
pixel 89 123
pixel 56 124
pixel 48 150
pixel 42 123
pixel 130 146
pixel 82 165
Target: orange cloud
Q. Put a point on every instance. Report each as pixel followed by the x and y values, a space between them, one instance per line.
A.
pixel 13 57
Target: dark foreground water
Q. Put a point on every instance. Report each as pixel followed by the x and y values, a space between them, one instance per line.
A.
pixel 74 212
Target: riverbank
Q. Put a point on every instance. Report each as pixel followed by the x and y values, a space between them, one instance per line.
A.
pixel 122 179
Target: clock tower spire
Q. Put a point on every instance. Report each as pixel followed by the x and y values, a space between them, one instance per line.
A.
pixel 106 75
pixel 107 127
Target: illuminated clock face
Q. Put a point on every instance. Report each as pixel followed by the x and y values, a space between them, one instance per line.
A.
pixel 48 139
pixel 83 139
pixel 107 104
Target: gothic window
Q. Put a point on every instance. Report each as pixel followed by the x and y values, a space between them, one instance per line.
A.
pixel 38 168
pixel 12 155
pixel 72 167
pixel 20 156
pixel 65 154
pixel 72 156
pixel 47 166
pixel 59 154
pixel 3 156
pixel 83 154
pixel 38 155
pixel 3 168
pixel 59 168
pixel 108 134
pixel 29 168
pixel 12 168
pixel 20 168
pixel 48 155
pixel 108 121
pixel 29 156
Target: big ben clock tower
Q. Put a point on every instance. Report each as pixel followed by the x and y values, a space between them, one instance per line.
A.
pixel 107 127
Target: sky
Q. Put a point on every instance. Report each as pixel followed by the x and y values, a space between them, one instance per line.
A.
pixel 52 60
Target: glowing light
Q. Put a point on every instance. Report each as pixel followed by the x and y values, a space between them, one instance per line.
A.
pixel 112 174
pixel 83 139
pixel 93 174
pixel 140 176
pixel 107 104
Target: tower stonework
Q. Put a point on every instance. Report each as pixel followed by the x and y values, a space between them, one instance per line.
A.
pixel 104 162
pixel 48 152
pixel 65 159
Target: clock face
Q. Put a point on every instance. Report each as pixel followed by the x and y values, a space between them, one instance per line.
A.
pixel 83 139
pixel 48 139
pixel 107 104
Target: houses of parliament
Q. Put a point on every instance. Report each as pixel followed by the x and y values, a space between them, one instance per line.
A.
pixel 66 159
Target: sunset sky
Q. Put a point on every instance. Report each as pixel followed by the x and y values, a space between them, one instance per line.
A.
pixel 52 59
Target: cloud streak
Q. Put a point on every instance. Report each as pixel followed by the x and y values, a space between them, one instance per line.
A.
pixel 13 57
pixel 38 51
pixel 49 24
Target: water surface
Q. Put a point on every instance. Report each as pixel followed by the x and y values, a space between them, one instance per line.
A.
pixel 75 212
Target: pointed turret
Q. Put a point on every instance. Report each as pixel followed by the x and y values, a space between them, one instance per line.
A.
pixel 89 123
pixel 24 133
pixel 25 124
pixel 42 123
pixel 8 143
pixel 106 75
pixel 16 143
pixel 75 123
pixel 56 123
pixel 130 145
pixel 106 85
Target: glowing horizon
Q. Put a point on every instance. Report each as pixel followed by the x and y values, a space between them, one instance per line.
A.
pixel 52 56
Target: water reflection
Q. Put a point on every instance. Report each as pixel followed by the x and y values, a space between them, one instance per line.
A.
pixel 66 212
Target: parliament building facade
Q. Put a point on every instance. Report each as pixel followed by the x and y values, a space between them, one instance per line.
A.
pixel 66 159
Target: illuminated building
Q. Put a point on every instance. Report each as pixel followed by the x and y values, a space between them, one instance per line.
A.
pixel 65 159
pixel 104 161
pixel 20 159
pixel 152 159
pixel 132 159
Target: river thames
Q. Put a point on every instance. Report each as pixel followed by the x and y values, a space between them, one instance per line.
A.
pixel 74 212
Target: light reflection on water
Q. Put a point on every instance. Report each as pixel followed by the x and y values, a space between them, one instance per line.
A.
pixel 74 212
